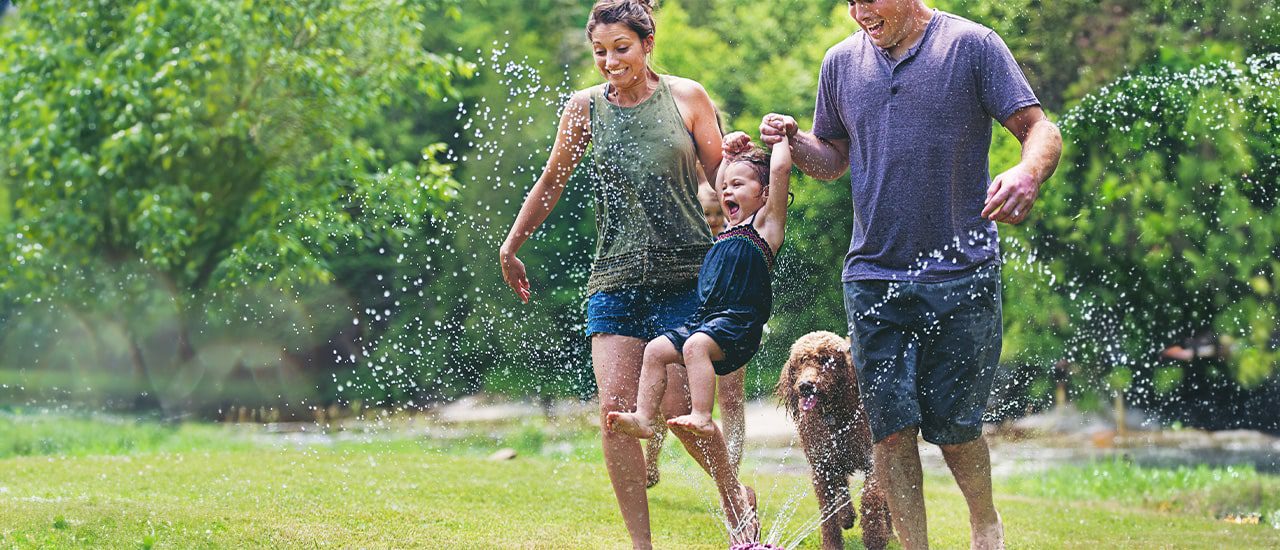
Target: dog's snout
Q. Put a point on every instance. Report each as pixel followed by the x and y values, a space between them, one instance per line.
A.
pixel 808 388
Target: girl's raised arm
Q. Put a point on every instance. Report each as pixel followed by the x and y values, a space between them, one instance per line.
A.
pixel 775 210
pixel 572 138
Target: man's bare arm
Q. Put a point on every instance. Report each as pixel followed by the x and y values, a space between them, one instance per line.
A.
pixel 1013 193
pixel 824 159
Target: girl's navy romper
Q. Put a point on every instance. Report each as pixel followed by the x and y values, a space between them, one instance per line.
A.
pixel 736 294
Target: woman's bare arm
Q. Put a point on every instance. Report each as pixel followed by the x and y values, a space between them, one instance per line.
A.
pixel 571 141
pixel 702 122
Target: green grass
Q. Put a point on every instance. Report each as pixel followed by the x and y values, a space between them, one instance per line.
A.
pixel 1199 490
pixel 81 435
pixel 179 492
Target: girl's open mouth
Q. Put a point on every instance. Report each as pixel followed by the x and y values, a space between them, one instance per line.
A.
pixel 731 208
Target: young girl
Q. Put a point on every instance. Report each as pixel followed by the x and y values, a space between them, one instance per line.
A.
pixel 729 389
pixel 736 299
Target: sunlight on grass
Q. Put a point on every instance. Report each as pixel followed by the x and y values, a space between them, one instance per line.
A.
pixel 149 485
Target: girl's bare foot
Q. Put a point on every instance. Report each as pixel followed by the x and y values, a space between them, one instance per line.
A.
pixel 698 424
pixel 631 424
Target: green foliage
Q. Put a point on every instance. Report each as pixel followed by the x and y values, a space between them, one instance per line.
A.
pixel 1069 48
pixel 170 164
pixel 190 188
pixel 1162 221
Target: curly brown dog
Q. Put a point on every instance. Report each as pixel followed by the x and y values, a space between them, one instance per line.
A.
pixel 820 391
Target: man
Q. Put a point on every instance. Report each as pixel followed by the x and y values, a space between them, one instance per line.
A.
pixel 906 105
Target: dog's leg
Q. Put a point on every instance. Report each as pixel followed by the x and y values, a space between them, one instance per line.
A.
pixel 876 527
pixel 832 489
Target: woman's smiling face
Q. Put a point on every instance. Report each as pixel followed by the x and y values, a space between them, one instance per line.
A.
pixel 620 54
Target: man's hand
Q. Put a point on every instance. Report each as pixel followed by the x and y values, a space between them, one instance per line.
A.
pixel 1011 196
pixel 736 143
pixel 775 127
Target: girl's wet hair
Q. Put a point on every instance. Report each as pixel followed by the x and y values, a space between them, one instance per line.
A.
pixel 757 159
pixel 635 14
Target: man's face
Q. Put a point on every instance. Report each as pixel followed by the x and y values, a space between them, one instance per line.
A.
pixel 887 22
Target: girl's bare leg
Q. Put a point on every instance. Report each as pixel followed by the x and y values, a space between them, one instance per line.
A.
pixel 616 361
pixel 699 351
pixel 653 382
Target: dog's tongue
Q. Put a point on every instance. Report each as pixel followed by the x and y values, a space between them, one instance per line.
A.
pixel 807 403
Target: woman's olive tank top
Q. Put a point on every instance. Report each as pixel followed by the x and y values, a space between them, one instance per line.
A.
pixel 651 231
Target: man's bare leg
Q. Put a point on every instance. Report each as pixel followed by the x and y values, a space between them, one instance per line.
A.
pixel 658 353
pixel 897 461
pixel 732 397
pixel 616 361
pixel 970 463
pixel 699 351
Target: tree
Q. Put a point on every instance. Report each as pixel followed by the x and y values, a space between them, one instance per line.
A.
pixel 1162 222
pixel 186 173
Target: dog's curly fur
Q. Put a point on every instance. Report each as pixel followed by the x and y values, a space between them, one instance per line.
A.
pixel 835 436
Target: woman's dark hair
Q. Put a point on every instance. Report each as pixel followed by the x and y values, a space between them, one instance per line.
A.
pixel 636 14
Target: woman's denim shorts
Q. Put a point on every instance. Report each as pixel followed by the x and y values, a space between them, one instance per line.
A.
pixel 641 312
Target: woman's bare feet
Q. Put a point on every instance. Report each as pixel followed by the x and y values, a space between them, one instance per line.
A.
pixel 744 522
pixel 631 424
pixel 699 425
pixel 988 537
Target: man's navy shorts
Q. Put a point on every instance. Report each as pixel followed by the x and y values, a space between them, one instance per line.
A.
pixel 926 353
pixel 641 312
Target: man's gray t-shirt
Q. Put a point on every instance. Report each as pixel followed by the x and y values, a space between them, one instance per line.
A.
pixel 919 132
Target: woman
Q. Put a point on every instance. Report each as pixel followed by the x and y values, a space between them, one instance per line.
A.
pixel 649 133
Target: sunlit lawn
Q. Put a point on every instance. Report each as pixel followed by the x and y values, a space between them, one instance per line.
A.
pixel 412 494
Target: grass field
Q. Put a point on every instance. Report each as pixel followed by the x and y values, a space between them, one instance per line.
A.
pixel 207 487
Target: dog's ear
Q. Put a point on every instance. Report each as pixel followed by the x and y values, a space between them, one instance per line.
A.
pixel 844 371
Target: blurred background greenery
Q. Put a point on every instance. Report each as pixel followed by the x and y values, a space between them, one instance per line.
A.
pixel 298 203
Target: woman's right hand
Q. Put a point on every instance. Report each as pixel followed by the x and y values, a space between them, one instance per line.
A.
pixel 513 274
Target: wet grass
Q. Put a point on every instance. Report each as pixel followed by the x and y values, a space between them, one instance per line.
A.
pixel 41 434
pixel 1234 491
pixel 411 492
